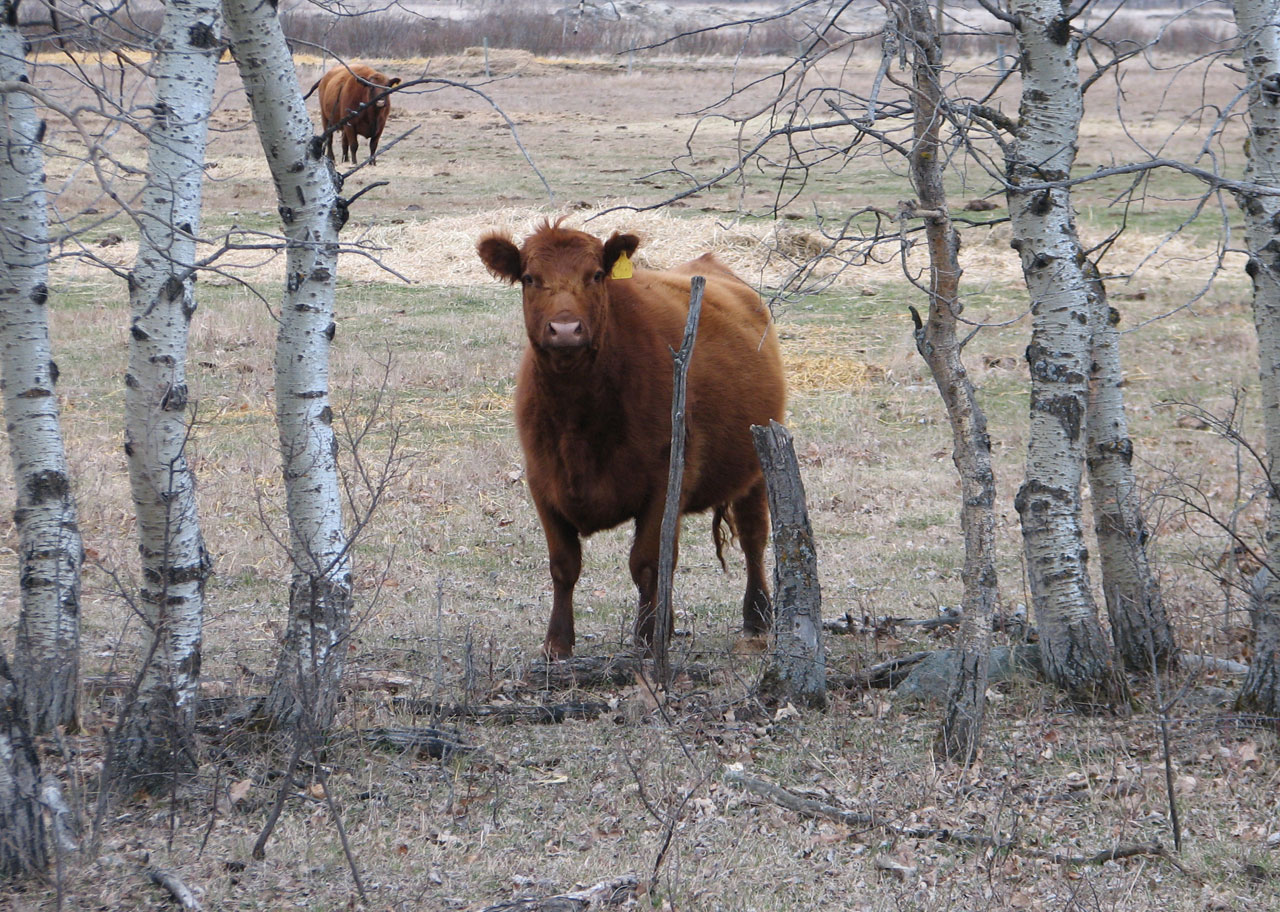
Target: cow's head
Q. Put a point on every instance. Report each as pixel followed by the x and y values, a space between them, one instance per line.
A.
pixel 385 83
pixel 564 275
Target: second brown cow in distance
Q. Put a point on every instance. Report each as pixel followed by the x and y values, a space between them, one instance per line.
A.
pixel 593 406
pixel 359 90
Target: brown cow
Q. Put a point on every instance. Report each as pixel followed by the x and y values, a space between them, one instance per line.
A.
pixel 357 90
pixel 593 406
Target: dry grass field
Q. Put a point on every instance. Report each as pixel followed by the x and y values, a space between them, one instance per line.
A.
pixel 453 587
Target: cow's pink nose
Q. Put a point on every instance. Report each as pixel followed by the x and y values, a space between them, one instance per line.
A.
pixel 565 334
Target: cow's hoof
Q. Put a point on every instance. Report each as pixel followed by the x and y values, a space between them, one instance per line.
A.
pixel 556 652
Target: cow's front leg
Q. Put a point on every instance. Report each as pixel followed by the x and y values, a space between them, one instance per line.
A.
pixel 564 548
pixel 644 571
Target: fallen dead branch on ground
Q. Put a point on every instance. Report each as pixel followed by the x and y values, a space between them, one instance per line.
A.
pixel 601 671
pixel 180 892
pixel 536 713
pixel 428 742
pixel 606 893
pixel 811 807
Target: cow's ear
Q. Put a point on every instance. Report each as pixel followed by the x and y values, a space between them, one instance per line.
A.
pixel 500 256
pixel 395 81
pixel 616 246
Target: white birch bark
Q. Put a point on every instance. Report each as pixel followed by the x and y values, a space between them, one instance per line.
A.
pixel 1140 627
pixel 1075 652
pixel 306 683
pixel 1260 30
pixel 154 736
pixel 46 660
pixel 961 731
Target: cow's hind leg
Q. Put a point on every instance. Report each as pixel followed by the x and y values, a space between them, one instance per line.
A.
pixel 751 516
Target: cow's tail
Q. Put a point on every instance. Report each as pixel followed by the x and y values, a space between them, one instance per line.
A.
pixel 310 90
pixel 722 516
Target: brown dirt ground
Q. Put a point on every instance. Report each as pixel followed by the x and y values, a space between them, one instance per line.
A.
pixel 453 590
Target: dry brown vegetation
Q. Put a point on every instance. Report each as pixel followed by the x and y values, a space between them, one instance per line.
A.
pixel 453 587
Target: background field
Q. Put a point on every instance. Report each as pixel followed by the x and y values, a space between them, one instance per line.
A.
pixel 453 588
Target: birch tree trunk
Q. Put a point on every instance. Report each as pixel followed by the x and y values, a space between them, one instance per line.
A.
pixel 24 848
pixel 1260 30
pixel 1074 650
pixel 305 688
pixel 1140 627
pixel 797 669
pixel 46 656
pixel 961 731
pixel 155 737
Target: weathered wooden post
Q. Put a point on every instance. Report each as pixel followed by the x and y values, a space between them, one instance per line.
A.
pixel 675 478
pixel 797 664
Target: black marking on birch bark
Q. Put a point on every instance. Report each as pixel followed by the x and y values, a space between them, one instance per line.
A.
pixel 47 485
pixel 138 332
pixel 195 572
pixel 175 398
pixel 1252 268
pixel 11 14
pixel 1069 411
pixel 321 274
pixel 1059 31
pixel 1123 447
pixel 36 392
pixel 294 282
pixel 165 360
pixel 1043 368
pixel 40 294
pixel 1035 496
pixel 131 381
pixel 315 148
pixel 41 127
pixel 330 331
pixel 173 288
pixel 1017 244
pixel 341 212
pixel 158 597
pixel 202 35
pixel 311 394
pixel 189 308
pixel 54 373
pixel 333 447
pixel 326 416
pixel 161 111
pixel 1270 87
pixel 128 448
pixel 1041 203
pixel 1037 96
pixel 297 168
pixel 1113 317
pixel 286 215
pixel 189 667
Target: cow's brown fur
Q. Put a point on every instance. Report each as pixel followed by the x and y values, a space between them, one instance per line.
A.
pixel 357 88
pixel 593 406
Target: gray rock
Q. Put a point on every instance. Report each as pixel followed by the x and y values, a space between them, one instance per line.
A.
pixel 931 678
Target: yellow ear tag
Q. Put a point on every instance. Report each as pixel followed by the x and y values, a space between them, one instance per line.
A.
pixel 622 267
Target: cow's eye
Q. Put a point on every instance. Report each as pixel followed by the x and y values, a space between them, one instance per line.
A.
pixel 526 279
pixel 599 276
